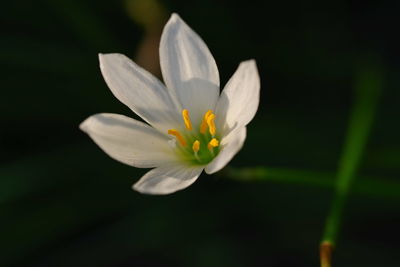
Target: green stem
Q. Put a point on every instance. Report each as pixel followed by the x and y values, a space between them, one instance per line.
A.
pixel 368 85
pixel 364 185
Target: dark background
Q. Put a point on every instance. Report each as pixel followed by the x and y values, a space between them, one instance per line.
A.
pixel 63 202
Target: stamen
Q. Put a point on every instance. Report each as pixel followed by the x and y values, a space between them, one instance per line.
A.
pixel 213 143
pixel 178 136
pixel 211 124
pixel 196 146
pixel 186 119
pixel 204 125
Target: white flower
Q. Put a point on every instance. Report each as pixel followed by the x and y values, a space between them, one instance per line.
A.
pixel 190 127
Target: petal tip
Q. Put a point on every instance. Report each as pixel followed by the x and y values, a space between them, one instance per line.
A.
pixel 174 21
pixel 138 188
pixel 135 187
pixel 84 125
pixel 101 56
pixel 251 66
pixel 209 171
pixel 175 17
pixel 88 122
pixel 251 62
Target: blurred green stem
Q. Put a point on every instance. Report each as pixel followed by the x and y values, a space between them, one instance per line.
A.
pixel 368 84
pixel 367 186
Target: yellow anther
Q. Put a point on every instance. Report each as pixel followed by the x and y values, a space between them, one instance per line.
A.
pixel 211 125
pixel 178 136
pixel 213 143
pixel 204 125
pixel 186 119
pixel 196 146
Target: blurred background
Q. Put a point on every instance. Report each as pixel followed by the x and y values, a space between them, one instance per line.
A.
pixel 63 202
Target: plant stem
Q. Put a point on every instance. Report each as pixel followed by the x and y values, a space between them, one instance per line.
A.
pixel 368 186
pixel 368 85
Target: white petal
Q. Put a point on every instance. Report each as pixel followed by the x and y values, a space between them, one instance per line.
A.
pixel 189 70
pixel 167 179
pixel 139 90
pixel 239 100
pixel 129 141
pixel 230 145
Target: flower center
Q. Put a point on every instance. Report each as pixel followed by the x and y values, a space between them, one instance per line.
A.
pixel 198 145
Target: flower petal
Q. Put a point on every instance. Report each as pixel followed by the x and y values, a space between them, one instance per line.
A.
pixel 129 141
pixel 139 90
pixel 230 145
pixel 189 70
pixel 239 100
pixel 167 179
